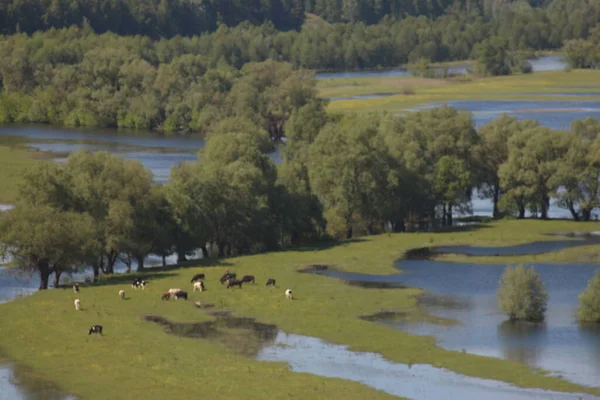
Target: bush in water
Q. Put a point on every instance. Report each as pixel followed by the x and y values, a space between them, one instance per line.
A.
pixel 589 301
pixel 522 295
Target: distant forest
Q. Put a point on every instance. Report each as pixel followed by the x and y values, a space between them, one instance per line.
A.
pixel 548 21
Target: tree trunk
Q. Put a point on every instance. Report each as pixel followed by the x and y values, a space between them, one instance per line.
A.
pixel 521 211
pixel 586 214
pixel 444 214
pixel 574 213
pixel 181 256
pixel 228 249
pixel 544 209
pixel 221 247
pixel 111 259
pixel 164 260
pixel 45 272
pixel 140 263
pixel 496 198
pixel 204 252
pixel 449 215
pixel 349 233
pixel 56 280
pixel 399 226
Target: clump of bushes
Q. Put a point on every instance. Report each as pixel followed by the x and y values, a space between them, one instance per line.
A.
pixel 522 294
pixel 589 301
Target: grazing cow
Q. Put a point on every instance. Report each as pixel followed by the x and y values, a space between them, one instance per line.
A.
pixel 95 329
pixel 248 278
pixel 271 282
pixel 173 291
pixel 199 286
pixel 77 304
pixel 234 282
pixel 227 276
pixel 122 294
pixel 288 294
pixel 76 288
pixel 197 278
pixel 165 296
pixel 181 295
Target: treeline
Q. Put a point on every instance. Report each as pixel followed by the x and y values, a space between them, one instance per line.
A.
pixel 456 35
pixel 114 87
pixel 168 18
pixel 340 177
pixel 152 18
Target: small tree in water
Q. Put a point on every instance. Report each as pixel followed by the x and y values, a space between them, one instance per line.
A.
pixel 589 301
pixel 522 295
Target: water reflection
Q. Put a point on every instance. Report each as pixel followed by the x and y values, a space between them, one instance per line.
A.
pixel 421 382
pixel 522 341
pixel 559 345
pixel 17 383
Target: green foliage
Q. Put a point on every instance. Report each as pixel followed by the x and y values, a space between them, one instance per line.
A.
pixel 589 301
pixel 493 57
pixel 522 295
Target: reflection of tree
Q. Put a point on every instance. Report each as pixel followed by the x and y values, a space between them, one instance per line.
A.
pixel 522 341
pixel 591 334
pixel 31 386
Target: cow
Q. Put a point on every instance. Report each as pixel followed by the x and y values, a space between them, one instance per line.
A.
pixel 95 329
pixel 271 282
pixel 234 282
pixel 197 278
pixel 248 278
pixel 199 286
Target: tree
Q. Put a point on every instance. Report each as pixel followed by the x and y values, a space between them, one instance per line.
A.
pixel 493 57
pixel 577 178
pixel 47 240
pixel 534 157
pixel 452 180
pixel 492 152
pixel 348 172
pixel 522 294
pixel 589 301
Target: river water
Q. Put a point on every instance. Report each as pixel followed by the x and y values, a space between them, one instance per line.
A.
pixel 466 292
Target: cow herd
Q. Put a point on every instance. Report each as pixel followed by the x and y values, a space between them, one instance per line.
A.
pixel 197 282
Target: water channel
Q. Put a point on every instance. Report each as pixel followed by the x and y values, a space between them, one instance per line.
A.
pixel 466 292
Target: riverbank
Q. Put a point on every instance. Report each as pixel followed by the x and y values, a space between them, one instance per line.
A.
pixel 409 92
pixel 167 365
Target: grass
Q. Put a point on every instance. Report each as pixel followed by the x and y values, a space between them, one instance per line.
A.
pixel 515 87
pixel 136 356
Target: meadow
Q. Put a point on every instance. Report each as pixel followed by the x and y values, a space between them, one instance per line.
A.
pixel 47 336
pixel 410 92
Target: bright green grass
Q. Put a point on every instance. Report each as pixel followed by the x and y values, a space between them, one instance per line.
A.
pixel 138 357
pixel 516 87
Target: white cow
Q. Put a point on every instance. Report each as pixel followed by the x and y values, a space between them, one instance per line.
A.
pixel 122 294
pixel 288 294
pixel 77 304
pixel 199 286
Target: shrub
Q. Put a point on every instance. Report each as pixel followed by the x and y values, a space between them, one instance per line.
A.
pixel 522 295
pixel 589 301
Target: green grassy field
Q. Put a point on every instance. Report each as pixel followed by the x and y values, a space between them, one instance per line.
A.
pixel 423 91
pixel 137 357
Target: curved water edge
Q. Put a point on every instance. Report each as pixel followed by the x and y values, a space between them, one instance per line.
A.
pixel 266 342
pixel 17 384
pixel 465 292
pixel 418 381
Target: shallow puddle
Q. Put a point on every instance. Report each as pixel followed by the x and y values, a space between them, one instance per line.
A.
pixel 17 384
pixel 419 381
pixel 243 336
